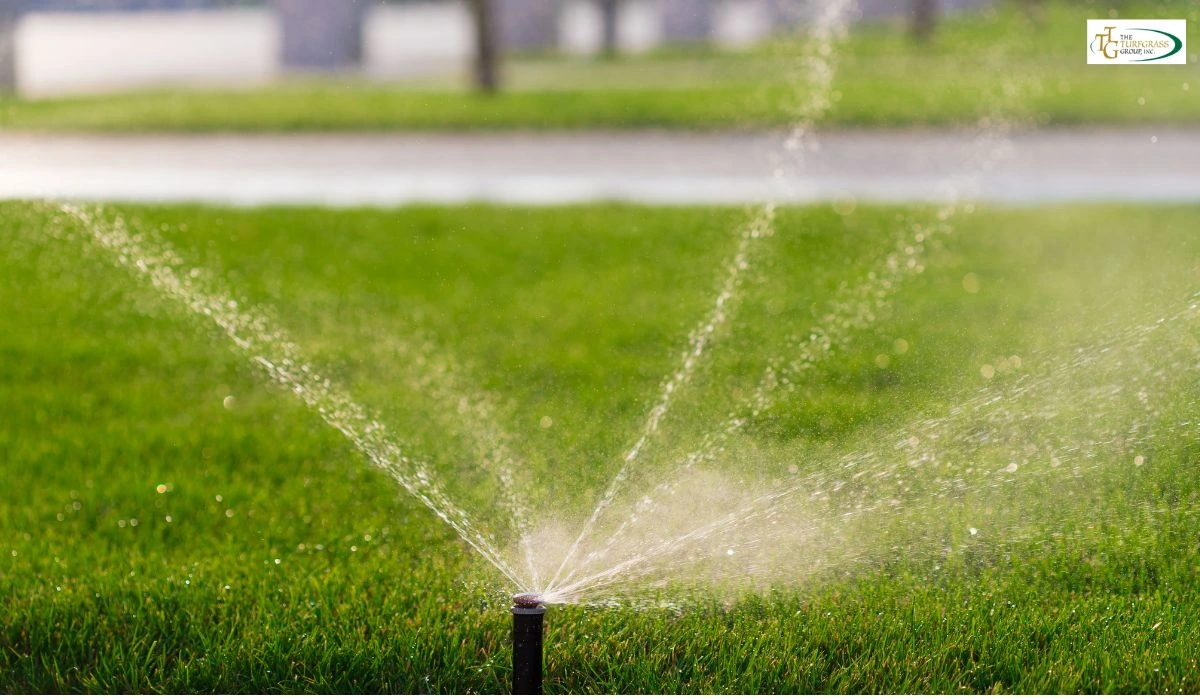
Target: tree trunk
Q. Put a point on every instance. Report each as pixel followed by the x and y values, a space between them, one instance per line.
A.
pixel 609 11
pixel 487 77
pixel 924 19
pixel 8 48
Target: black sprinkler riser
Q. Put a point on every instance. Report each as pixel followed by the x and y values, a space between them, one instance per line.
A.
pixel 528 615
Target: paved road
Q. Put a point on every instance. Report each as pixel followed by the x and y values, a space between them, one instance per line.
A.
pixel 1044 166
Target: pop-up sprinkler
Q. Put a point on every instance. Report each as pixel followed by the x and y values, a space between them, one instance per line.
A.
pixel 528 613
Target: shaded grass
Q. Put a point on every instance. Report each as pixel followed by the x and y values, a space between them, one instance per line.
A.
pixel 287 565
pixel 1015 63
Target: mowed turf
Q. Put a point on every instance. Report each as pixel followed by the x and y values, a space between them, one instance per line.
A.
pixel 171 523
pixel 1025 62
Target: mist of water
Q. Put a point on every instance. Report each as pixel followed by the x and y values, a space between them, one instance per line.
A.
pixel 828 28
pixel 1000 456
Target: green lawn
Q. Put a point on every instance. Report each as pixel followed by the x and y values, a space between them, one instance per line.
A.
pixel 273 558
pixel 1021 66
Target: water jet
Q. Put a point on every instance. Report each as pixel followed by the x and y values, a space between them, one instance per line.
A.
pixel 528 613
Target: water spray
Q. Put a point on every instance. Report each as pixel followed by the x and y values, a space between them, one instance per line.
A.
pixel 528 613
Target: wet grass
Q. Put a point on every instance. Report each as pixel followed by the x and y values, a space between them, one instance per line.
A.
pixel 1022 64
pixel 171 524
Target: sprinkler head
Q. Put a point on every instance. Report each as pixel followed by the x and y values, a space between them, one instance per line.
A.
pixel 527 612
pixel 527 601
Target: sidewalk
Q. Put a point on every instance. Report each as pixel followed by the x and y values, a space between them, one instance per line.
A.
pixel 1138 165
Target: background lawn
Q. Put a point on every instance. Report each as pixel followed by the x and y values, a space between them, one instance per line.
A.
pixel 1025 64
pixel 172 524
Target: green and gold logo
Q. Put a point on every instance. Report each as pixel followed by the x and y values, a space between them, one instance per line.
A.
pixel 1136 41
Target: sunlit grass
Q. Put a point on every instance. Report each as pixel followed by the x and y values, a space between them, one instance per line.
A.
pixel 267 555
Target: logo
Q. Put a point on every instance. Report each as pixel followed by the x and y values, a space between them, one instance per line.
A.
pixel 1137 41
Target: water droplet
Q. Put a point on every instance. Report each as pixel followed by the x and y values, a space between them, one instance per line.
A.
pixel 229 402
pixel 546 422
pixel 987 371
pixel 900 345
pixel 1142 101
pixel 970 283
pixel 278 562
pixel 219 498
pixel 228 512
pixel 882 361
pixel 1011 468
pixel 1139 460
pixel 161 488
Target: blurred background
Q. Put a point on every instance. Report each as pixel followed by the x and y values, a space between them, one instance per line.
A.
pixel 287 65
pixel 663 101
pixel 60 47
